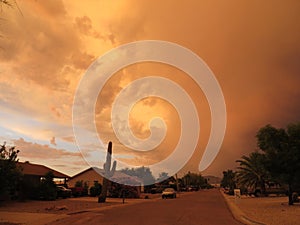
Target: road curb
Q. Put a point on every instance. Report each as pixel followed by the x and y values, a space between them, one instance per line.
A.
pixel 238 214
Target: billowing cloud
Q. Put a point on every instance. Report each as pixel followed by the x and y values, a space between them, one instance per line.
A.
pixel 52 141
pixel 252 48
pixel 36 151
pixel 61 159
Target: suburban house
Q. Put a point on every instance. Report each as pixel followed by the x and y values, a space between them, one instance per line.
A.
pixel 92 174
pixel 32 174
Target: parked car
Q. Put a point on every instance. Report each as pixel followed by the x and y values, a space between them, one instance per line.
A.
pixel 168 193
pixel 272 188
pixel 63 192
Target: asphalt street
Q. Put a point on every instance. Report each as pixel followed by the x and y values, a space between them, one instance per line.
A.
pixel 205 207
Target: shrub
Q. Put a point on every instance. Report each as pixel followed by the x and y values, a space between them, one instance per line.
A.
pixel 96 189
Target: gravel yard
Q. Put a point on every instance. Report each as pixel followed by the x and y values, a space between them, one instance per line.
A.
pixel 59 206
pixel 43 212
pixel 63 206
pixel 268 210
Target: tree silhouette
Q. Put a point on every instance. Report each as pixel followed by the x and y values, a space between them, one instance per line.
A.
pixel 144 173
pixel 47 187
pixel 229 180
pixel 252 172
pixel 163 176
pixel 10 173
pixel 282 150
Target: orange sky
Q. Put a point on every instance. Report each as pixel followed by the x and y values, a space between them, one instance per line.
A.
pixel 253 48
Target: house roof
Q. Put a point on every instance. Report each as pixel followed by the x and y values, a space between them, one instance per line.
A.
pixel 118 176
pixel 82 172
pixel 39 170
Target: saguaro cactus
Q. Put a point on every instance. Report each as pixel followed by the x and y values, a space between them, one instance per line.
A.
pixel 108 171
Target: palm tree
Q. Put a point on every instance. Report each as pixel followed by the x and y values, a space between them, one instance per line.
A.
pixel 229 181
pixel 251 171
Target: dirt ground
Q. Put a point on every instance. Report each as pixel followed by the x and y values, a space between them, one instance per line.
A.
pixel 33 212
pixel 265 210
pixel 269 210
pixel 59 206
pixel 64 206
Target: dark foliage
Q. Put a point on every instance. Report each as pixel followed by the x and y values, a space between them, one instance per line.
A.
pixel 143 173
pixel 119 191
pixel 282 150
pixel 47 188
pixel 229 181
pixel 252 171
pixel 96 189
pixel 10 173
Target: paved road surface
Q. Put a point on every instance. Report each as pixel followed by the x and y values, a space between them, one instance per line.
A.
pixel 205 207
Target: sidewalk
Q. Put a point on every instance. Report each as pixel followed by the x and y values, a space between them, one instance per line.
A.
pixel 237 213
pixel 266 210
